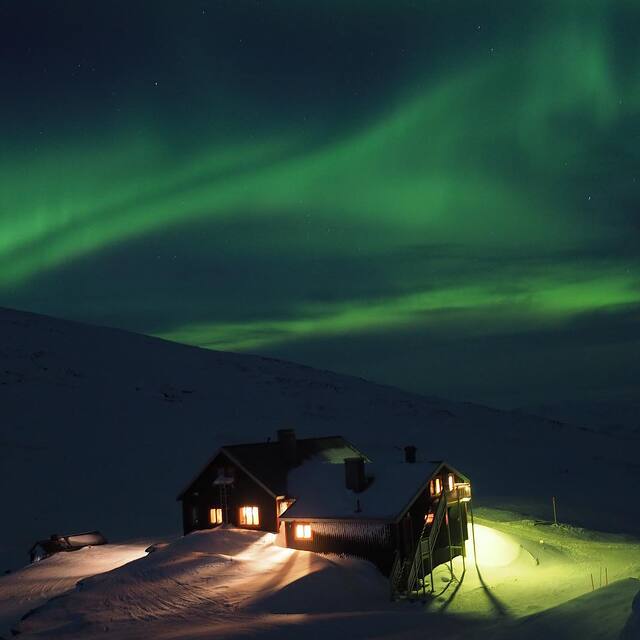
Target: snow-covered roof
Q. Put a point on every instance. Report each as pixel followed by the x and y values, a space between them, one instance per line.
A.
pixel 319 488
pixel 267 465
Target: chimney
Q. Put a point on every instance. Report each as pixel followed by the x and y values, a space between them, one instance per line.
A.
pixel 410 454
pixel 354 474
pixel 287 442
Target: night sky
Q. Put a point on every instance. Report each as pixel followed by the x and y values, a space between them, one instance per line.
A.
pixel 443 196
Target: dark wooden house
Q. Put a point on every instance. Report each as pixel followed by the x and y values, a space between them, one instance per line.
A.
pixel 324 495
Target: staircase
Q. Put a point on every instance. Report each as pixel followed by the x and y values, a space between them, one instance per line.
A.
pixel 422 564
pixel 409 575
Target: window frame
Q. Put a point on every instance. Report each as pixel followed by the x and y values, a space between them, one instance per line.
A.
pixel 307 531
pixel 215 515
pixel 254 516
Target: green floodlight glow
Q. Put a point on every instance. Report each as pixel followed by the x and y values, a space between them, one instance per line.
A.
pixel 493 548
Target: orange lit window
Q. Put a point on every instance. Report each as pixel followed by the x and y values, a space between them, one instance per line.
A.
pixel 451 482
pixel 249 516
pixel 215 516
pixel 428 519
pixel 303 532
pixel 435 487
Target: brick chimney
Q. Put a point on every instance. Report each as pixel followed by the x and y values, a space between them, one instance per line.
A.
pixel 288 445
pixel 354 474
pixel 410 454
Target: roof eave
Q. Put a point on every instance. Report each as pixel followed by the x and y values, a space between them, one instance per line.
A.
pixel 235 461
pixel 354 518
pixel 440 463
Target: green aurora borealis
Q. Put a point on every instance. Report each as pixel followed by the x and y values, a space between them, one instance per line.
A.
pixel 434 195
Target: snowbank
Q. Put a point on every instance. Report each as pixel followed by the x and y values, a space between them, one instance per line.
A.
pixel 35 584
pixel 230 583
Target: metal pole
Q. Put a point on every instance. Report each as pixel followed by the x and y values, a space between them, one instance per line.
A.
pixel 424 588
pixel 462 547
pixel 555 512
pixel 473 535
pixel 446 516
pixel 433 587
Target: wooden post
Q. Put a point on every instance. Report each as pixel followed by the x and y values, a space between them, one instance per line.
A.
pixel 606 576
pixel 593 588
pixel 601 576
pixel 555 512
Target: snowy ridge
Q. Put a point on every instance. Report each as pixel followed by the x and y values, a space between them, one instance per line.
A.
pixel 101 428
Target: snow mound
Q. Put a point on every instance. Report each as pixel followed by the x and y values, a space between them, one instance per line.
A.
pixel 598 615
pixel 35 584
pixel 215 579
pixel 230 583
pixel 493 548
pixel 631 629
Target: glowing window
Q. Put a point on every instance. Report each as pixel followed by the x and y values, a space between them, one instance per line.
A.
pixel 451 482
pixel 283 505
pixel 215 516
pixel 438 486
pixel 249 516
pixel 303 532
pixel 428 519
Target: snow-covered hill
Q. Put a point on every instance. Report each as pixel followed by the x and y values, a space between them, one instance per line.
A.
pixel 100 428
pixel 620 418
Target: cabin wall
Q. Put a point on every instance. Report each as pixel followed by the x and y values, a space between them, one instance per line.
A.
pixel 370 540
pixel 408 530
pixel 203 495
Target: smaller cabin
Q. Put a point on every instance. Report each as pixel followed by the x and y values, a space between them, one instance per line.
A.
pixel 57 543
pixel 404 513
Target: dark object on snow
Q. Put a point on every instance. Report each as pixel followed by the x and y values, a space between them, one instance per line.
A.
pixel 56 543
pixel 156 546
pixel 354 477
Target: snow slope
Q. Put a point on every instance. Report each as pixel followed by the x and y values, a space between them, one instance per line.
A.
pixel 230 583
pixel 35 584
pixel 621 417
pixel 101 428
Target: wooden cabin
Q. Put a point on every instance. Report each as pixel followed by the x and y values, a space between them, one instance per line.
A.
pixel 404 514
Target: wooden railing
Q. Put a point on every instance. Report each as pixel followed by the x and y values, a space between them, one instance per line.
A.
pixel 396 574
pixel 426 545
pixel 460 493
pixel 426 542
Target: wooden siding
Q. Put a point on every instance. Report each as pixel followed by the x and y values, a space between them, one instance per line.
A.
pixel 408 530
pixel 370 540
pixel 203 495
